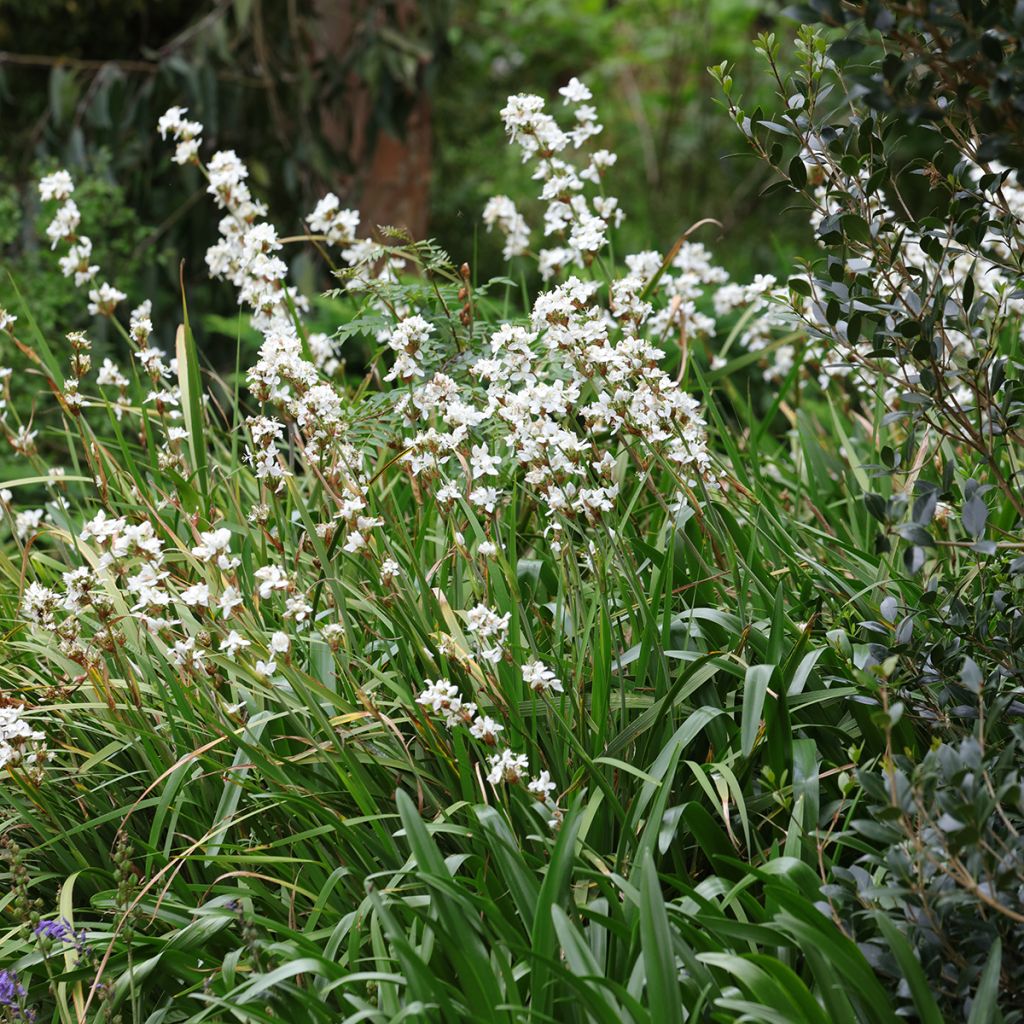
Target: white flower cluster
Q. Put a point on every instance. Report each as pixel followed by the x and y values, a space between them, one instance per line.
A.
pixel 132 567
pixel 405 341
pixel 20 744
pixel 579 223
pixel 287 373
pixel 104 300
pixel 77 261
pixel 501 212
pixel 27 522
pixel 522 414
pixel 184 132
pixel 540 678
pixel 246 256
pixel 490 630
pixel 442 698
pixel 337 225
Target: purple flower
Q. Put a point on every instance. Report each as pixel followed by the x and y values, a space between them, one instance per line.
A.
pixel 11 991
pixel 54 931
pixel 61 931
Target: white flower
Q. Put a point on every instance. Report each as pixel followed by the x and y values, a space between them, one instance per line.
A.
pixel 185 654
pixel 227 178
pixel 493 654
pixel 487 623
pixel 172 121
pixel 339 226
pixel 507 767
pixel 39 603
pixel 102 528
pixel 147 584
pixel 297 608
pixel 213 546
pixel 541 786
pixel 501 212
pixel 410 334
pixel 389 570
pixel 485 497
pixel 598 162
pixel 355 542
pixel 438 695
pixel 24 441
pixel 186 151
pixel 19 742
pixel 540 678
pixel 196 596
pixel 575 92
pixel 447 494
pixel 64 224
pixel 280 642
pixel 333 633
pixel 588 234
pixel 229 600
pixel 137 539
pixel 483 462
pixel 534 131
pixel 28 522
pixel 259 240
pixel 486 729
pixel 75 263
pixel 405 341
pixel 270 578
pixel 233 643
pixel 58 185
pixel 104 299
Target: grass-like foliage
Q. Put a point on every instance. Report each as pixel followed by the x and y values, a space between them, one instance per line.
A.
pixel 643 649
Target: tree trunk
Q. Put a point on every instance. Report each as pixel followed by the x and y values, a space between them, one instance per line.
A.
pixel 388 174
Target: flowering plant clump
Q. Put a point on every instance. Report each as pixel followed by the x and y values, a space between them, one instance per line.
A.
pixel 552 410
pixel 361 692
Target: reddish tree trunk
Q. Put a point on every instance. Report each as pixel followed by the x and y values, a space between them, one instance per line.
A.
pixel 390 176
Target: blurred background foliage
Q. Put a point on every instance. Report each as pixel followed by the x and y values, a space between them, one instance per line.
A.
pixel 392 105
pixel 646 61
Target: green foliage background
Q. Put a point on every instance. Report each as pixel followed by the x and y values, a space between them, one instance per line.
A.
pixel 245 70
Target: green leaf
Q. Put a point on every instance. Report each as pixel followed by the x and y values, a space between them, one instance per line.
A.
pixel 755 686
pixel 856 229
pixel 920 989
pixel 974 515
pixel 521 881
pixel 580 960
pixel 663 994
pixel 191 387
pixel 553 890
pixel 985 1005
pixel 797 172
